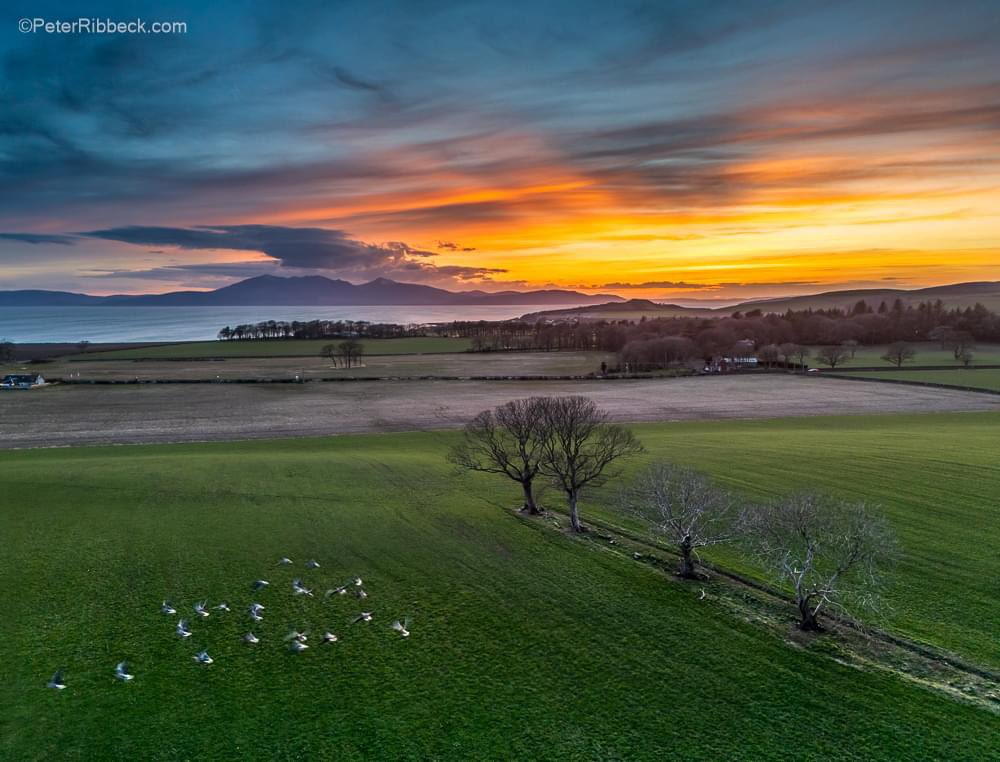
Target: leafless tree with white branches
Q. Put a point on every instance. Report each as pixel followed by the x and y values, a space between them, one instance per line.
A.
pixel 832 553
pixel 685 508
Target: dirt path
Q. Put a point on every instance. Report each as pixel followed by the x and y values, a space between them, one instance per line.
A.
pixel 71 415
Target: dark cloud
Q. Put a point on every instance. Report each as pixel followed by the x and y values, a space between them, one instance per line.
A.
pixel 300 248
pixel 38 238
pixel 451 246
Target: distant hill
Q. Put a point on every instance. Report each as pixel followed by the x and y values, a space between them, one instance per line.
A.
pixel 957 295
pixel 268 290
pixel 631 309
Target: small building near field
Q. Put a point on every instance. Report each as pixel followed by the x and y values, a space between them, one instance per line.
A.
pixel 720 364
pixel 22 381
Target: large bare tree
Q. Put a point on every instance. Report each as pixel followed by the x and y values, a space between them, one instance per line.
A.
pixel 507 440
pixel 899 352
pixel 685 508
pixel 579 446
pixel 832 553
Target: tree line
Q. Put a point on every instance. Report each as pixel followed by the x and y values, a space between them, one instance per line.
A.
pixel 831 554
pixel 317 329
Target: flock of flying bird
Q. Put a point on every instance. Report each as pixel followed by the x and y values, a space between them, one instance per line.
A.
pixel 297 641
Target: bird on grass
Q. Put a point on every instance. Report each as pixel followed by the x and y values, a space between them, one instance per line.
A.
pixel 260 584
pixel 336 591
pixel 121 672
pixel 182 629
pixel 298 646
pixel 299 589
pixel 285 561
pixel 251 639
pixel 57 681
pixel 312 563
pixel 403 628
pixel 200 610
pixel 202 657
pixel 364 616
pixel 329 637
pixel 222 607
pixel 167 608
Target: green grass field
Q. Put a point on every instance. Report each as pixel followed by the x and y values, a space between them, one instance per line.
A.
pixel 928 353
pixel 526 643
pixel 279 348
pixel 983 378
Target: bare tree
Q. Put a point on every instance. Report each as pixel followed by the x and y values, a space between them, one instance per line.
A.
pixel 507 440
pixel 831 553
pixel 351 350
pixel 898 353
pixel 851 345
pixel 769 354
pixel 795 353
pixel 833 355
pixel 579 446
pixel 329 351
pixel 685 508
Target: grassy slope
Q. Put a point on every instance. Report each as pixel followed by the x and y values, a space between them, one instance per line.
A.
pixel 978 379
pixel 281 348
pixel 525 643
pixel 927 354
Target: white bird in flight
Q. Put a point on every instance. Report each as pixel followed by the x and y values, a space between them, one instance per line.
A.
pixel 298 646
pixel 403 628
pixel 222 607
pixel 167 608
pixel 285 561
pixel 336 591
pixel 57 681
pixel 299 589
pixel 121 672
pixel 260 584
pixel 357 581
pixel 200 610
pixel 329 637
pixel 296 635
pixel 202 657
pixel 251 639
pixel 364 616
pixel 182 629
pixel 255 609
pixel 312 563
pixel 361 595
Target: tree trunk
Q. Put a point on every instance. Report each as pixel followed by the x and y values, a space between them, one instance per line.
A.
pixel 574 514
pixel 687 562
pixel 529 499
pixel 807 619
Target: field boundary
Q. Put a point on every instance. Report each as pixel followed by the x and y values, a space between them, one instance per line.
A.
pixel 910 382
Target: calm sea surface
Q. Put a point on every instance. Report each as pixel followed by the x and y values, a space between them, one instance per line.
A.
pixel 104 324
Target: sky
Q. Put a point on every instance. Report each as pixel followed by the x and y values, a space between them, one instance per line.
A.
pixel 671 149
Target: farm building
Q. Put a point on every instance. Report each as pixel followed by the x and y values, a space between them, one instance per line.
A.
pixel 721 364
pixel 22 380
